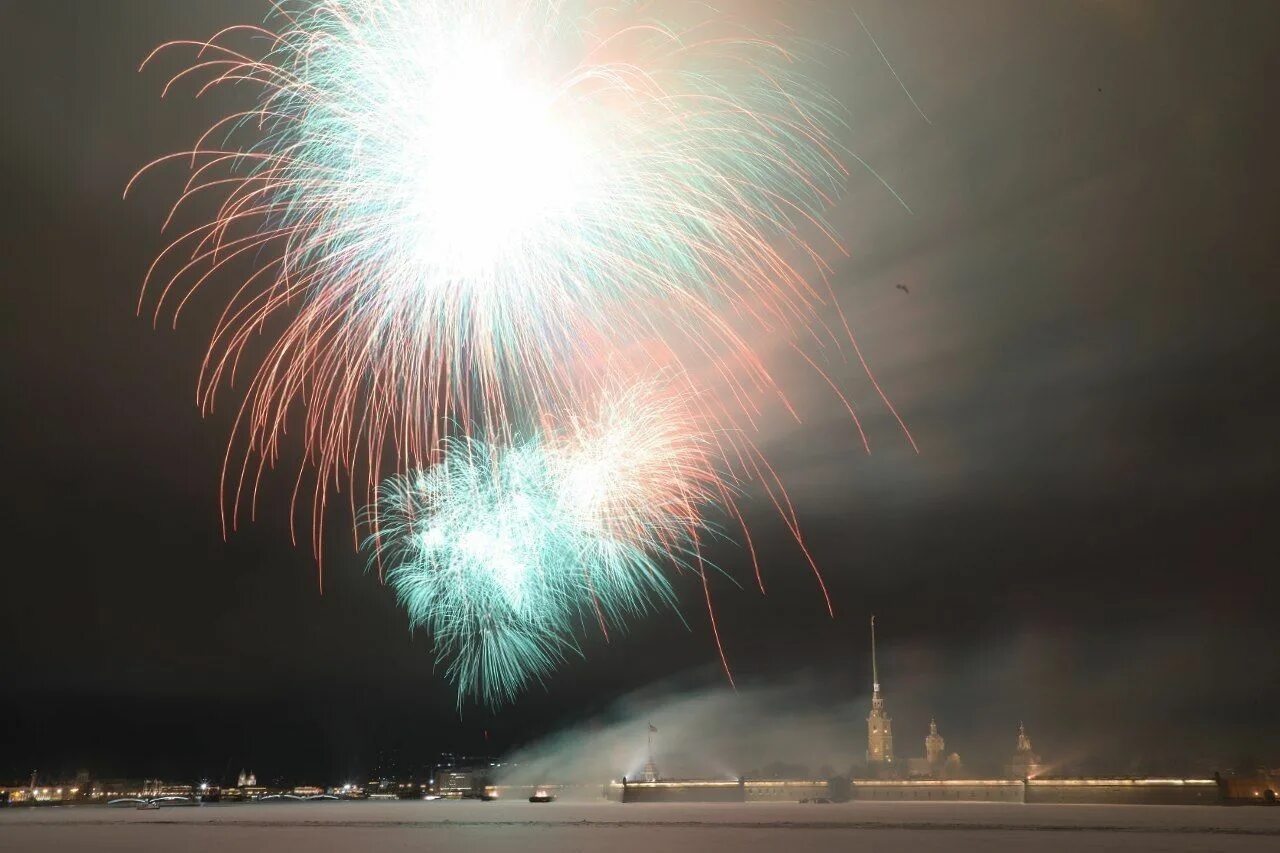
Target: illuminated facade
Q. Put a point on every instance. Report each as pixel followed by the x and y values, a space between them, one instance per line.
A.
pixel 933 745
pixel 1113 791
pixel 879 725
pixel 1025 764
pixel 31 794
pixel 650 773
pixel 935 763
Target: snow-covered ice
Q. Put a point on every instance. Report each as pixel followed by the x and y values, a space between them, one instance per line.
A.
pixel 632 828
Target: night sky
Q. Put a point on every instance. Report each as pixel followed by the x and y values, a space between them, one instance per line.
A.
pixel 1087 356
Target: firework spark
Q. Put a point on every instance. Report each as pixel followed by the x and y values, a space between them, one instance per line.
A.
pixel 456 208
pixel 503 552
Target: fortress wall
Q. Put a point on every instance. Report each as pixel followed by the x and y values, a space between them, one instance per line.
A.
pixel 694 791
pixel 1124 791
pixel 1095 791
pixel 978 790
pixel 788 791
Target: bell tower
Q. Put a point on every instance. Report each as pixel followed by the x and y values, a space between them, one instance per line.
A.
pixel 934 745
pixel 879 725
pixel 1025 763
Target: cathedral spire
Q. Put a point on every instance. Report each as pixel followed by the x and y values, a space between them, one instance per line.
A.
pixel 1025 764
pixel 875 675
pixel 879 726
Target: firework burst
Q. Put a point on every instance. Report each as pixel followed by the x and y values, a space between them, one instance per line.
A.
pixel 504 553
pixel 453 233
pixel 457 208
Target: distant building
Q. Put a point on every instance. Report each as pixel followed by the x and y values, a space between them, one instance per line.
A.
pixel 246 780
pixel 30 794
pixel 110 789
pixel 935 764
pixel 1025 763
pixel 650 772
pixel 879 725
pixel 456 775
pixel 460 781
pixel 1261 786
pixel 933 744
pixel 161 788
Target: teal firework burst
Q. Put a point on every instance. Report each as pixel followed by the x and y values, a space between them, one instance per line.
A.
pixel 504 553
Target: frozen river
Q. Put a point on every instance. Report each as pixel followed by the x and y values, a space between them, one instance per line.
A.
pixel 574 826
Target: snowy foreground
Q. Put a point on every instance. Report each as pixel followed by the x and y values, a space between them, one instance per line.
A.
pixel 617 828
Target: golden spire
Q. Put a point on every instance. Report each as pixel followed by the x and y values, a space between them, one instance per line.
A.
pixel 879 726
pixel 875 675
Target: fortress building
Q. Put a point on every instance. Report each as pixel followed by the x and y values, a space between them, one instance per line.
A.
pixel 651 769
pixel 1025 764
pixel 936 776
pixel 936 764
pixel 879 725
pixel 933 745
